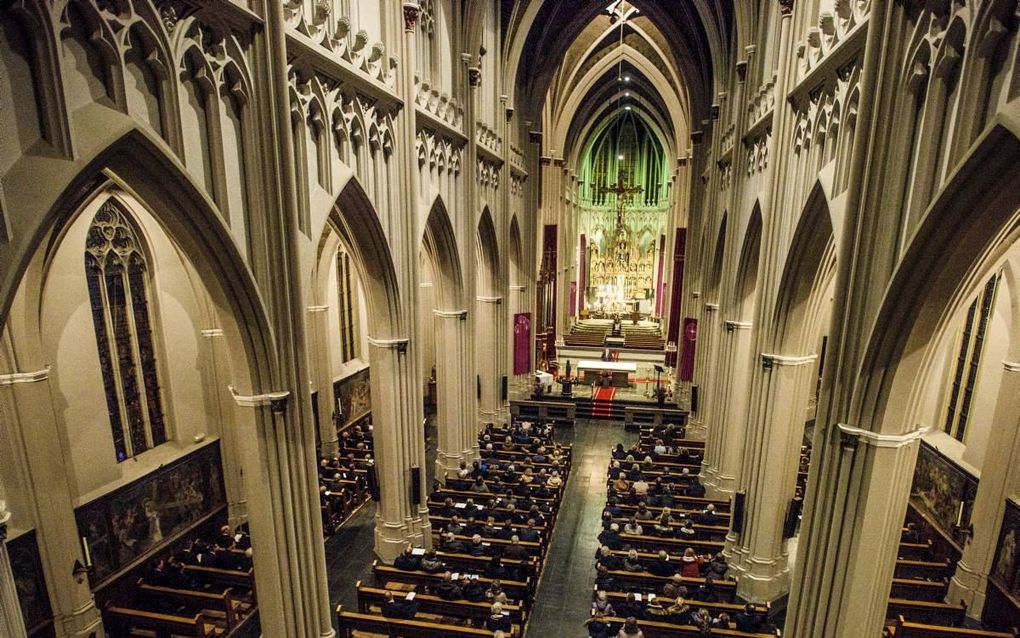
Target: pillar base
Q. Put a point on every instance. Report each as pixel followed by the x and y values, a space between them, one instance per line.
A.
pixel 969 586
pixel 763 580
pixel 391 540
pixel 447 463
pixel 330 448
pixel 725 485
pixel 85 622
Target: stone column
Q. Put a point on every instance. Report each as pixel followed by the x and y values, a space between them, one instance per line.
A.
pixel 28 402
pixel 844 576
pixel 772 452
pixel 286 528
pixel 318 344
pixel 487 355
pixel 451 330
pixel 725 436
pixel 704 373
pixel 398 519
pixel 998 481
pixel 11 622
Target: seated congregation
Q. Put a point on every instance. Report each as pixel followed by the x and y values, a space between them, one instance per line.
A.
pixel 491 523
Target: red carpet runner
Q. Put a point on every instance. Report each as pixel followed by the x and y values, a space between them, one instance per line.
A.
pixel 602 403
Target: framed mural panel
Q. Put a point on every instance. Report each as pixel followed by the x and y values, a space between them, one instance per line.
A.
pixel 943 490
pixel 354 397
pixel 125 525
pixel 1006 567
pixel 30 584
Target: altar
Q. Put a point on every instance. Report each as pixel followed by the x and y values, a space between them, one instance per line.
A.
pixel 620 371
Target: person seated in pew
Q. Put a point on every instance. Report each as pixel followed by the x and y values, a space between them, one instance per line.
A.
pixel 598 627
pixel 679 611
pixel 490 529
pixel 455 526
pixel 722 621
pixel 496 569
pixel 463 472
pixel 479 486
pixel 614 470
pixel 708 516
pixel 654 610
pixel 515 551
pixel 621 484
pixel 632 563
pixel 447 509
pixel 629 607
pixel 673 587
pixel 472 527
pixel 613 507
pixel 407 560
pixel 611 537
pixel 634 473
pixel 706 591
pixel 605 556
pixel 703 621
pixel 477 546
pixel 619 453
pixel 717 567
pixel 633 527
pixel 431 562
pixel 665 497
pixel 398 608
pixel 555 480
pixel 690 564
pixel 452 544
pixel 662 566
pixel 447 589
pixel 696 489
pixel 643 513
pixel 911 534
pixel 529 534
pixel 543 491
pixel 686 531
pixel 495 593
pixel 498 620
pixel 749 620
pixel 603 579
pixel 660 448
pixel 630 629
pixel 601 604
pixel 472 589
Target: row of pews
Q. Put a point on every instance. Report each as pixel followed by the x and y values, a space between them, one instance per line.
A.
pixel 660 563
pixel 206 590
pixel 918 606
pixel 492 522
pixel 345 478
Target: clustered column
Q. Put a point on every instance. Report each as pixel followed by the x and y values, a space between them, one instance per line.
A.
pixel 772 451
pixel 725 440
pixel 451 359
pixel 996 485
pixel 11 622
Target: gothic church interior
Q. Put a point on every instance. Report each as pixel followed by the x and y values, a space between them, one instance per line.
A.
pixel 663 318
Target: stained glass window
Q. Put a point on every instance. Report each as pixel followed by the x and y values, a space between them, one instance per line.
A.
pixel 116 275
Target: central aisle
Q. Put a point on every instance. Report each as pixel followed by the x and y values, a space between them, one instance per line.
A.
pixel 564 593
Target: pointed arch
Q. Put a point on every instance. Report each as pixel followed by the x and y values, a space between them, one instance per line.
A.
pixel 746 288
pixel 440 243
pixel 487 254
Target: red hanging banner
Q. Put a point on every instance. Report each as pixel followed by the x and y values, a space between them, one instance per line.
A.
pixel 522 343
pixel 690 340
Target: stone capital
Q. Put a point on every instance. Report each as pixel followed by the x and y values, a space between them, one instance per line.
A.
pixel 276 400
pixel 1011 366
pixel 411 11
pixel 877 439
pixel 769 361
pixel 12 378
pixel 400 345
pixel 786 7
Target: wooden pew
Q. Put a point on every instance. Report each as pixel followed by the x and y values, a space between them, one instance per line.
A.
pixel 351 621
pixel 673 546
pixel 924 611
pixel 427 603
pixel 712 532
pixel 715 608
pixel 906 629
pixel 655 629
pixel 915 551
pixel 230 577
pixel 211 604
pixel 646 582
pixel 161 624
pixel 516 590
pixel 919 589
pixel 931 570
